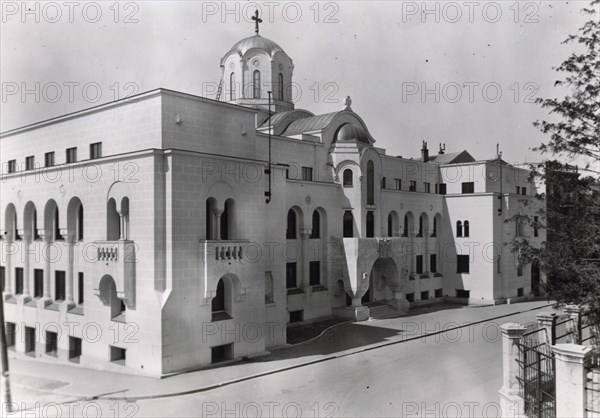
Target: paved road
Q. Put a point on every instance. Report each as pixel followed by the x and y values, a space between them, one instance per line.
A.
pixel 455 373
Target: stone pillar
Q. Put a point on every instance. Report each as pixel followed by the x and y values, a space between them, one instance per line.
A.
pixel 574 311
pixel 304 265
pixel 571 396
pixel 69 239
pixel 218 213
pixel 511 403
pixel 547 321
pixel 399 302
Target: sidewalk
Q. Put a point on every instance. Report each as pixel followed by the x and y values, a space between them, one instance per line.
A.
pixel 34 381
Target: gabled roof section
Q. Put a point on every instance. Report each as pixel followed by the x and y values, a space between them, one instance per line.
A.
pixel 452 158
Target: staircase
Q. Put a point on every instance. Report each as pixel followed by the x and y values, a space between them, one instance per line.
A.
pixel 379 310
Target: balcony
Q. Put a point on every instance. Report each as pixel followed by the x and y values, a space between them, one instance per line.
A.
pixel 116 259
pixel 219 251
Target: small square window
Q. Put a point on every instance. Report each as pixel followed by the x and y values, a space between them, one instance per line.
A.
pixel 221 353
pixel 410 297
pixel 439 293
pixel 425 295
pixel 49 159
pixel 118 355
pixel 468 187
pixel 460 293
pixel 296 316
pixel 307 173
pixel 442 188
pixel 95 150
pixel 520 292
pixel 413 186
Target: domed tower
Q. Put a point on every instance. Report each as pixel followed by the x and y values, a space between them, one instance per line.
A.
pixel 251 68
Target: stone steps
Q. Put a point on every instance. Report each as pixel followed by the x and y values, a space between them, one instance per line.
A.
pixel 382 311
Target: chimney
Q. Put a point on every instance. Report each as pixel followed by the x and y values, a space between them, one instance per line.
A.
pixel 442 149
pixel 424 152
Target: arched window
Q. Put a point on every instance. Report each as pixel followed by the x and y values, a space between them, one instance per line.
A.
pixel 256 85
pixel 459 229
pixel 232 86
pixel 420 234
pixel 405 232
pixel 16 229
pixel 370 183
pixel 227 220
pixel 290 233
pixel 434 233
pixel 316 225
pixel 390 228
pixel 466 229
pixel 80 223
pixel 347 178
pixel 348 228
pixel 370 224
pixel 280 86
pixel 218 302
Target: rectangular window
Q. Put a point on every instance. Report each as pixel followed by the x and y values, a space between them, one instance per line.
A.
pixel 520 292
pixel 118 355
pixel 427 187
pixel 30 163
pixel 433 263
pixel 442 188
pixel 413 186
pixel 468 187
pixel 49 159
pixel 383 183
pixel 535 226
pixel 460 293
pixel 314 277
pixel 439 293
pixel 52 343
pixel 74 348
pixel 518 189
pixel 307 173
pixel 269 299
pixel 59 286
pixel 95 150
pixel 221 353
pixel 419 264
pixel 18 281
pixel 2 278
pixel 425 295
pixel 30 340
pixel 71 155
pixel 462 264
pixel 398 184
pixel 520 270
pixel 80 288
pixel 11 333
pixel 296 316
pixel 38 283
pixel 524 191
pixel 290 276
pixel 410 297
pixel 12 166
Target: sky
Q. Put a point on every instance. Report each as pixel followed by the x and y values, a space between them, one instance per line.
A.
pixel 465 74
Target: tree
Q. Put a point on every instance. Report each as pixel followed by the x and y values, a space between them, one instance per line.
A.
pixel 571 255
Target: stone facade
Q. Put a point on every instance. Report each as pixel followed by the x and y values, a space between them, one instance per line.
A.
pixel 156 252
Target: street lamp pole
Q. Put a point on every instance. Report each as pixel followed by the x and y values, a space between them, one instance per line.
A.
pixel 5 389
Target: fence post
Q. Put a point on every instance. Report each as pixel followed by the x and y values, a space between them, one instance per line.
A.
pixel 570 373
pixel 511 404
pixel 574 311
pixel 548 321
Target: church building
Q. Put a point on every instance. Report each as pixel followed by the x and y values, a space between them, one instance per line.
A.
pixel 167 232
